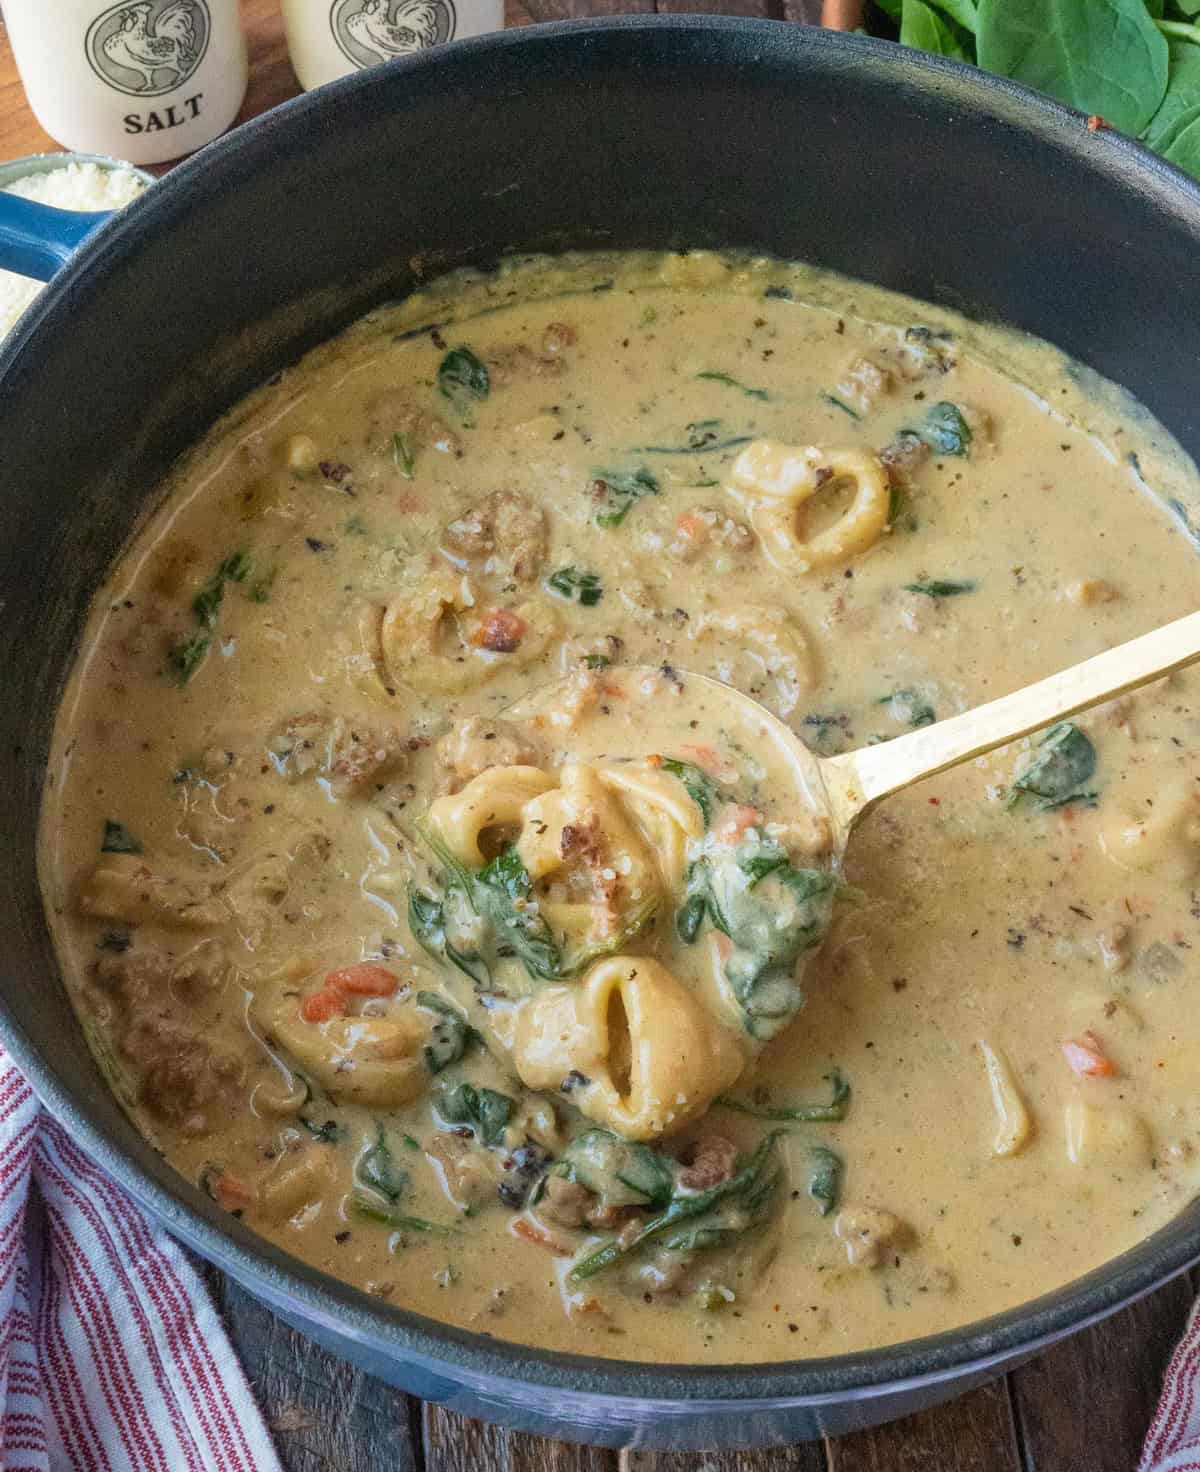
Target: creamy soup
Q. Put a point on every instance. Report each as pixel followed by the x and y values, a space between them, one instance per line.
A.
pixel 476 964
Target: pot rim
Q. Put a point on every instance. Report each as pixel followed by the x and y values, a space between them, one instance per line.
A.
pixel 289 1285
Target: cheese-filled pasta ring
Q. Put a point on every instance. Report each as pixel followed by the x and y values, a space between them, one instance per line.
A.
pixel 664 812
pixel 375 1061
pixel 773 480
pixel 655 1058
pixel 494 799
pixel 434 639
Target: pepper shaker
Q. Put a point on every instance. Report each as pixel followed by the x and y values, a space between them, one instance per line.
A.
pixel 144 80
pixel 328 39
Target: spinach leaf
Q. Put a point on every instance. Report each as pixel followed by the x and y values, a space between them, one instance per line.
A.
pixel 944 429
pixel 701 788
pixel 835 1110
pixel 909 707
pixel 1181 146
pixel 618 490
pixel 1058 774
pixel 836 403
pixel 596 661
pixel 494 892
pixel 404 456
pixel 1100 56
pixel 427 921
pixel 236 568
pixel 749 1193
pixel 941 587
pixel 703 438
pixel 573 585
pixel 1182 94
pixel 926 29
pixel 483 1110
pixel 621 1172
pixel 450 1035
pixel 772 913
pixel 388 1218
pixel 186 657
pixel 464 380
pixel 377 1169
pixel 118 839
pixel 751 393
pixel 824 1178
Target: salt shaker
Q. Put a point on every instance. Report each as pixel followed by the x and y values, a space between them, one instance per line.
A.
pixel 144 80
pixel 328 39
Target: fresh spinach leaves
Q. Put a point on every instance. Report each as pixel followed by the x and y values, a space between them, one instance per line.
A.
pixel 824 1178
pixel 118 839
pixel 942 587
pixel 464 380
pixel 700 786
pixel 944 429
pixel 621 1172
pixel 616 491
pixel 377 1169
pixel 576 586
pixel 450 1035
pixel 483 1110
pixel 830 1112
pixel 1060 771
pixel 185 657
pixel 910 707
pixel 751 393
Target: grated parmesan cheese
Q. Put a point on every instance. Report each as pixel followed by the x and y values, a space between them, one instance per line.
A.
pixel 73 187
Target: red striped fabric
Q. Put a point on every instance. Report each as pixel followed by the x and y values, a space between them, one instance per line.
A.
pixel 1173 1442
pixel 111 1354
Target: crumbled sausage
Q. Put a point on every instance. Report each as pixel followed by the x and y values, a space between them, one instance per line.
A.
pixel 867 1231
pixel 474 745
pixel 565 1202
pixel 707 1162
pixel 583 841
pixel 470 1174
pixel 507 528
pixel 500 632
pixel 354 754
pixel 135 977
pixel 184 1079
pixel 557 336
pixel 706 527
pixel 904 457
pixel 863 383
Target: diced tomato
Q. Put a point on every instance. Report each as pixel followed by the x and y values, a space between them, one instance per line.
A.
pixel 525 1229
pixel 230 1194
pixel 322 1006
pixel 734 823
pixel 1086 1057
pixel 364 980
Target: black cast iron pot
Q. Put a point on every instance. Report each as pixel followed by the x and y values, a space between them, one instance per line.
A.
pixel 904 170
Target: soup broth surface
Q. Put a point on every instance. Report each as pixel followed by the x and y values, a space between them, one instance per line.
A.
pixel 554 1016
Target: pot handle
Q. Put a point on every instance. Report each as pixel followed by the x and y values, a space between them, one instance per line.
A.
pixel 36 239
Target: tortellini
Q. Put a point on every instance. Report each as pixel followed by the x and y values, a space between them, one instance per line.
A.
pixel 435 639
pixel 647 1055
pixel 373 1060
pixel 495 799
pixel 1164 839
pixel 773 481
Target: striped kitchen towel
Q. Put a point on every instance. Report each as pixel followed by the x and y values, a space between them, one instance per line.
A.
pixel 1173 1442
pixel 111 1355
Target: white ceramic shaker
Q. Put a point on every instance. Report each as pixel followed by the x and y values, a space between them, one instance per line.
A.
pixel 143 80
pixel 328 39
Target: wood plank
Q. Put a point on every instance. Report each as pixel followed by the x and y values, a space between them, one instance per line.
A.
pixel 1084 1405
pixel 454 1443
pixel 805 1456
pixel 975 1433
pixel 326 1416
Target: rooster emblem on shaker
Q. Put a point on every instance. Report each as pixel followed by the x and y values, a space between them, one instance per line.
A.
pixel 151 46
pixel 371 31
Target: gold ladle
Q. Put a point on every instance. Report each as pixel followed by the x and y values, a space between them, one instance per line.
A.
pixel 846 787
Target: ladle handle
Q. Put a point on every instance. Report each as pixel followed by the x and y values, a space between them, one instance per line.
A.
pixel 859 779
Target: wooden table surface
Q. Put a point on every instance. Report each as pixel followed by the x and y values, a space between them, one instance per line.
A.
pixel 1081 1407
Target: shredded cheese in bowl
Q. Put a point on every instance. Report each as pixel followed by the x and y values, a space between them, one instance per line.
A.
pixel 73 186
